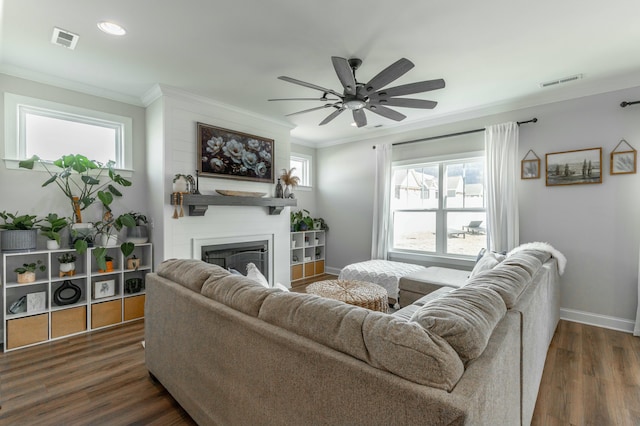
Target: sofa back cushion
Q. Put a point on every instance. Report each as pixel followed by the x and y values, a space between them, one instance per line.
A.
pixel 238 292
pixel 465 318
pixel 190 273
pixel 378 339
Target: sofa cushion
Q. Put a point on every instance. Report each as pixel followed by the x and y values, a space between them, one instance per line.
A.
pixel 378 339
pixel 408 311
pixel 330 322
pixel 465 318
pixel 190 273
pixel 508 283
pixel 529 260
pixel 238 292
pixel 410 351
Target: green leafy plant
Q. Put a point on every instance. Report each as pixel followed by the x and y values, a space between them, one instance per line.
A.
pixel 15 222
pixel 301 221
pixel 67 257
pixel 323 224
pixel 82 179
pixel 55 225
pixel 31 267
pixel 139 218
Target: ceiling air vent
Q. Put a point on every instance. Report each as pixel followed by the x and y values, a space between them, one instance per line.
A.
pixel 64 38
pixel 561 80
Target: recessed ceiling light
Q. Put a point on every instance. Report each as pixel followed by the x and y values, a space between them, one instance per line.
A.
pixel 111 28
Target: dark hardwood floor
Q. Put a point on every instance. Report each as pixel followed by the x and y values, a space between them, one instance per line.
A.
pixel 591 377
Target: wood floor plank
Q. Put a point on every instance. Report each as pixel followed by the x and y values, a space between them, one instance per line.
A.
pixel 591 377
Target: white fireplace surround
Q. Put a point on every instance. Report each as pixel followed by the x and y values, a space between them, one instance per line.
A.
pixel 198 243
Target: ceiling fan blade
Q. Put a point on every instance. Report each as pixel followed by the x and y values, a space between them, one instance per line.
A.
pixel 389 74
pixel 359 117
pixel 409 89
pixel 345 74
pixel 407 103
pixel 386 112
pixel 309 85
pixel 331 116
pixel 304 99
pixel 309 110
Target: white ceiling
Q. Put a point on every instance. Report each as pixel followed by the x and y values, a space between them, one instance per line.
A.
pixel 492 54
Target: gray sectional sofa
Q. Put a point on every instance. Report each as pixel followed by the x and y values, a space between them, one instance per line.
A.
pixel 232 352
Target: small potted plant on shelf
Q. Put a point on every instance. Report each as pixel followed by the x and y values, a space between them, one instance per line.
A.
pixel 67 264
pixel 20 232
pixel 301 221
pixel 52 230
pixel 133 262
pixel 27 272
pixel 139 233
pixel 320 224
pixel 108 264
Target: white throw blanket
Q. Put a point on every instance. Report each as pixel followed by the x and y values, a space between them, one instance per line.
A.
pixel 562 261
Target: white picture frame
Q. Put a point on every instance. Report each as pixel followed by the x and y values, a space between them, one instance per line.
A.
pixel 36 302
pixel 105 288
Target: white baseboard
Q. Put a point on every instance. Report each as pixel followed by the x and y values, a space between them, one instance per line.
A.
pixel 332 271
pixel 604 321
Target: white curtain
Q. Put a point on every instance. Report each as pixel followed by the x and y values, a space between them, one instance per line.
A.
pixel 381 201
pixel 503 171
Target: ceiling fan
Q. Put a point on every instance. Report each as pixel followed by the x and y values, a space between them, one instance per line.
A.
pixel 370 96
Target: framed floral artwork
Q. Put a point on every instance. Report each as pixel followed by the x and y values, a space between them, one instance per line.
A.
pixel 225 153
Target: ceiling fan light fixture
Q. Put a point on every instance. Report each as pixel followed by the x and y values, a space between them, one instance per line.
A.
pixel 354 104
pixel 111 28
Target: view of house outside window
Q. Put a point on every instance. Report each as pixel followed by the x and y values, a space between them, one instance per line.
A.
pixel 439 207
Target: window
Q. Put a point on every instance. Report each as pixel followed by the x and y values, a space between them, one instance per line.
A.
pixel 50 130
pixel 439 207
pixel 302 165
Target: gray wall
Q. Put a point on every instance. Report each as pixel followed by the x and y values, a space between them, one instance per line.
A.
pixel 20 190
pixel 595 226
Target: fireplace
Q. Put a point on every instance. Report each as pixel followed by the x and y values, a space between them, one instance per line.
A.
pixel 235 253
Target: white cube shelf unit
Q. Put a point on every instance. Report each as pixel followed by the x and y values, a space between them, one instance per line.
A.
pixel 105 299
pixel 307 254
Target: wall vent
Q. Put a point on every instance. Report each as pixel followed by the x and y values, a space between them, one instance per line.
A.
pixel 561 80
pixel 64 38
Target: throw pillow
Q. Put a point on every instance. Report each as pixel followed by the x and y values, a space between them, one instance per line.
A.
pixel 488 261
pixel 254 273
pixel 281 287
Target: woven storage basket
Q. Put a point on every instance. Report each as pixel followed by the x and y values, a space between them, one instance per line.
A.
pixel 358 293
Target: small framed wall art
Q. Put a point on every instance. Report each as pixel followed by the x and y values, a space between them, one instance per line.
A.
pixel 530 166
pixel 623 159
pixel 582 166
pixel 229 154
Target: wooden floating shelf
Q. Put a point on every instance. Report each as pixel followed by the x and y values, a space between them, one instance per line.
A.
pixel 198 204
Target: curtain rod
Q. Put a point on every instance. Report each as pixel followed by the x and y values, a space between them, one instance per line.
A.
pixel 625 103
pixel 533 120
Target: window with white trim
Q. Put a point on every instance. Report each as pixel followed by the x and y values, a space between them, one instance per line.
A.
pixel 51 130
pixel 438 207
pixel 302 165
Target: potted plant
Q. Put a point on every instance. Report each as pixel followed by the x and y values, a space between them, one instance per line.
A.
pixel 133 262
pixel 52 230
pixel 289 180
pixel 139 233
pixel 67 264
pixel 301 221
pixel 20 232
pixel 319 223
pixel 108 267
pixel 27 272
pixel 82 181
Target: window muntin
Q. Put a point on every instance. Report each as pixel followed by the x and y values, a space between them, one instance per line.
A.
pixel 433 205
pixel 302 165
